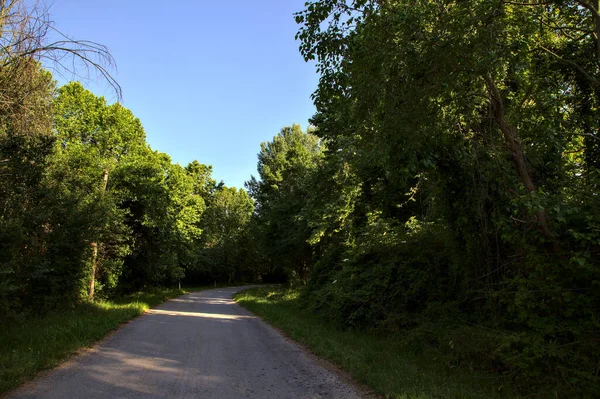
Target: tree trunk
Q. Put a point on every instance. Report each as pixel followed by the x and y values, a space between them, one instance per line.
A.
pixel 95 244
pixel 93 274
pixel 512 141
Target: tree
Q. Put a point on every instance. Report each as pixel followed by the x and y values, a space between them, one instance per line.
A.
pixel 465 127
pixel 40 225
pixel 224 224
pixel 94 139
pixel 164 217
pixel 204 184
pixel 284 167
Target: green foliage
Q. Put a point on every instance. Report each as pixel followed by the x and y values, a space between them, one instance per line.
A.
pixel 387 364
pixel 164 215
pixel 94 140
pixel 90 204
pixel 43 225
pixel 225 225
pixel 284 167
pixel 455 197
pixel 387 281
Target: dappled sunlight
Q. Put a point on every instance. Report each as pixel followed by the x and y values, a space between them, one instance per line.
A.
pixel 210 301
pixel 205 352
pixel 134 371
pixel 127 362
pixel 183 300
pixel 215 301
pixel 200 314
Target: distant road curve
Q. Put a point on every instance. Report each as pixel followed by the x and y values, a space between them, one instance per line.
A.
pixel 200 345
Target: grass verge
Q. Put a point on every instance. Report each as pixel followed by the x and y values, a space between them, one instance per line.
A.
pixel 383 363
pixel 40 343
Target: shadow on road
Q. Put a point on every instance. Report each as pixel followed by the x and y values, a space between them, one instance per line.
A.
pixel 200 345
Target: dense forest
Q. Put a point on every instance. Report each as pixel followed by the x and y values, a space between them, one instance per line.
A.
pixel 89 210
pixel 446 189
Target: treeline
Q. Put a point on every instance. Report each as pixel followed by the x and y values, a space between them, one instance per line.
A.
pixel 448 188
pixel 89 209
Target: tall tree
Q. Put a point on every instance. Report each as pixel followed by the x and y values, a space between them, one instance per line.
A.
pixel 465 127
pixel 164 216
pixel 224 224
pixel 35 247
pixel 284 167
pixel 94 138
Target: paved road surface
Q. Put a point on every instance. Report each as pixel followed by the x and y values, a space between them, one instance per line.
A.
pixel 200 345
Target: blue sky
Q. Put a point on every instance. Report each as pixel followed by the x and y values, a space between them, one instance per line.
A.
pixel 209 80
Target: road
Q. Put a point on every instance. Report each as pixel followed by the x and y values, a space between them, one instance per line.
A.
pixel 200 345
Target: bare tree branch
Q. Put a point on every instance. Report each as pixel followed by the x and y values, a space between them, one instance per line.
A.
pixel 24 31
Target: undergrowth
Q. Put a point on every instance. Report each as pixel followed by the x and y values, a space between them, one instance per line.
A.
pixel 399 366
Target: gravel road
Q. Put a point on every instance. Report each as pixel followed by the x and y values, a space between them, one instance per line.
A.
pixel 200 345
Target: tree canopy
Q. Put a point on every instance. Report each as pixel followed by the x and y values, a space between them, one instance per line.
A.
pixel 455 189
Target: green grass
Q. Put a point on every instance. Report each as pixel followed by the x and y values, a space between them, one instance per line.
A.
pixel 40 343
pixel 383 363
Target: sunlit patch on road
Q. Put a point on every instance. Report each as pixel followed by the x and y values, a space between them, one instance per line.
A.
pixel 199 314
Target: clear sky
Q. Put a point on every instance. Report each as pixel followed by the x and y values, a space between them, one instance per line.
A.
pixel 209 80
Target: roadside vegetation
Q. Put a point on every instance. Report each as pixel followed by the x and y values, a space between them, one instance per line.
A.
pixel 448 188
pixel 94 223
pixel 89 210
pixel 388 364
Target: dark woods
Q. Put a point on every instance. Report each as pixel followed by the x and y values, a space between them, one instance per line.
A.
pixel 448 189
